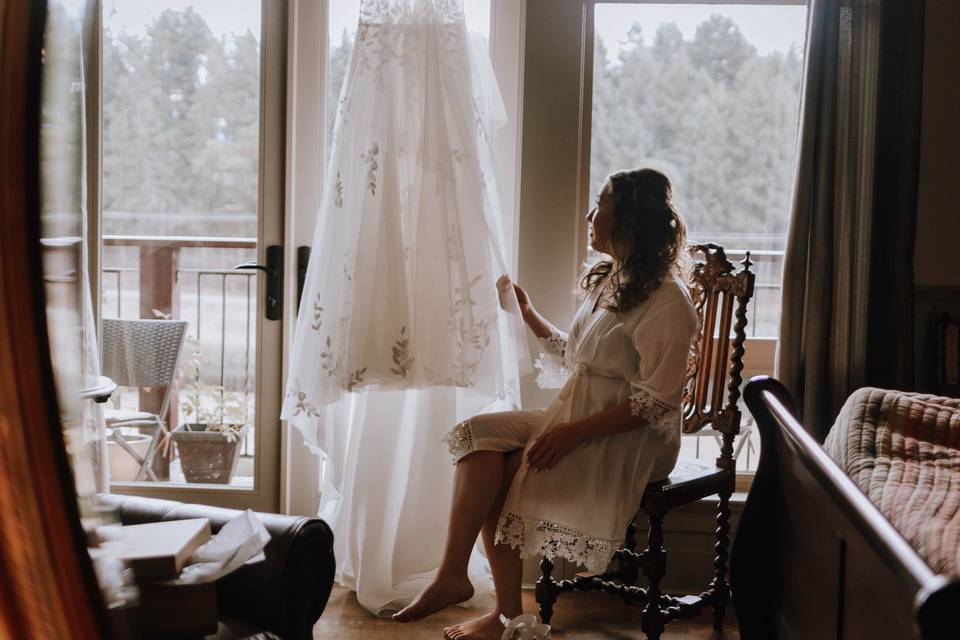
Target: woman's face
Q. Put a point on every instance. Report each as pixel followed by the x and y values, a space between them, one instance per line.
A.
pixel 600 219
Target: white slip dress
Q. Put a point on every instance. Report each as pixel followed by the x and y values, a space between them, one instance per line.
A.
pixel 579 510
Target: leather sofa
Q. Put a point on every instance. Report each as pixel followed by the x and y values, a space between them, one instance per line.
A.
pixel 283 594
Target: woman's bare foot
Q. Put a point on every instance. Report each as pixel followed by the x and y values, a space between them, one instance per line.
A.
pixel 440 593
pixel 487 627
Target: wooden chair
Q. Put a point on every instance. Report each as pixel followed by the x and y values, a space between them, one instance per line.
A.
pixel 713 374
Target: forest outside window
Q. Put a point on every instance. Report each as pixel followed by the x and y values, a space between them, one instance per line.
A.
pixel 709 94
pixel 181 143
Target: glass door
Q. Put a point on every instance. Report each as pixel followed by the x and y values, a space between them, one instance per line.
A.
pixel 191 214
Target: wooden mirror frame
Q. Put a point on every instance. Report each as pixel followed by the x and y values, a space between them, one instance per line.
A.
pixel 47 585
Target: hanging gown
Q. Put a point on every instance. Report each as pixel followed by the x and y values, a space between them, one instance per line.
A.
pixel 400 331
pixel 580 509
pixel 400 291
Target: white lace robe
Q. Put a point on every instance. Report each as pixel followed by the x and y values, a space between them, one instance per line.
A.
pixel 579 510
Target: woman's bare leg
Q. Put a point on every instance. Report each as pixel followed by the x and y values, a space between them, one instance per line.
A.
pixel 477 484
pixel 505 564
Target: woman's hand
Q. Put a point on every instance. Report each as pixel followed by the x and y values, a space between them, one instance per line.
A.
pixel 523 300
pixel 556 442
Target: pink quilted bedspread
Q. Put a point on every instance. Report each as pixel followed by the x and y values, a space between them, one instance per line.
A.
pixel 903 451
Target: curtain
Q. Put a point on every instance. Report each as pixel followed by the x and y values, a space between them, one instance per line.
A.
pixel 403 330
pixel 848 270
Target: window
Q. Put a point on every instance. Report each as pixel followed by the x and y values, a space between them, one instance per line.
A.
pixel 710 95
pixel 181 167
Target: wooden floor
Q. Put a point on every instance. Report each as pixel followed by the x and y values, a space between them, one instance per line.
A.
pixel 584 616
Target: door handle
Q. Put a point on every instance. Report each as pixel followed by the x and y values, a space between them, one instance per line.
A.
pixel 252 264
pixel 274 272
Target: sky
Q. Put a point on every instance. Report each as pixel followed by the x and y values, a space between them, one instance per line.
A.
pixel 223 16
pixel 768 28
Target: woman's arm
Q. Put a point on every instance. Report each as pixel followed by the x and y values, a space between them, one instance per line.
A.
pixel 540 326
pixel 560 439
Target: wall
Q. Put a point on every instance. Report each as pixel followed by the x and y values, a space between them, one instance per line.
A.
pixel 550 170
pixel 938 212
pixel 936 267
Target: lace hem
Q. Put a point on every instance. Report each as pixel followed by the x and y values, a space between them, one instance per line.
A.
pixel 555 344
pixel 662 417
pixel 460 441
pixel 553 540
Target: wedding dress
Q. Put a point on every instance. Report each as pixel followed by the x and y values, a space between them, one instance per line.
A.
pixel 401 332
pixel 400 291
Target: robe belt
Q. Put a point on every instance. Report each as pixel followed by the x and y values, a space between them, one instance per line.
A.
pixel 583 370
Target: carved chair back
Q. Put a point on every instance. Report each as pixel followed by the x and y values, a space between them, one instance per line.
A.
pixel 712 388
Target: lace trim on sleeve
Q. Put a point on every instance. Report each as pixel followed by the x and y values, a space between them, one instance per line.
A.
pixel 555 344
pixel 662 417
pixel 460 441
pixel 553 370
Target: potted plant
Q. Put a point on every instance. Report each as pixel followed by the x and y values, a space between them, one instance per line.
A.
pixel 208 443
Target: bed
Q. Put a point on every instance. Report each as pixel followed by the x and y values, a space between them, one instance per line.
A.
pixel 815 558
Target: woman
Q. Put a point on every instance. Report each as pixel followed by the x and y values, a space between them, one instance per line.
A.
pixel 566 481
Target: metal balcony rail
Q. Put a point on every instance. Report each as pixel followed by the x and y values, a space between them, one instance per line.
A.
pixel 208 295
pixel 219 303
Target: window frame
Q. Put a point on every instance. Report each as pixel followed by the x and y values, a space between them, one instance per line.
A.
pixel 556 162
pixel 760 350
pixel 586 87
pixel 265 493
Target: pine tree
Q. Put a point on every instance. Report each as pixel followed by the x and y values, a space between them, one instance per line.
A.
pixel 720 48
pixel 178 46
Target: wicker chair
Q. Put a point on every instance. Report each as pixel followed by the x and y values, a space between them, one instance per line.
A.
pixel 714 368
pixel 141 353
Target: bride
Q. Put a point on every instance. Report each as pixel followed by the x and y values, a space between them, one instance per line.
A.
pixel 565 481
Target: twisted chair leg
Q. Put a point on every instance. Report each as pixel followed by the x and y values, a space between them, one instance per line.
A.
pixel 654 619
pixel 721 585
pixel 546 590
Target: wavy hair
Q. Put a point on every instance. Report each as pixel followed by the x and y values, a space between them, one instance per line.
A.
pixel 648 235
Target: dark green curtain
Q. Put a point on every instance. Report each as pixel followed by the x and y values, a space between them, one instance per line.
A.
pixel 848 271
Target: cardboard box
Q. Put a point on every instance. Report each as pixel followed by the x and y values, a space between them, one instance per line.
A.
pixel 156 550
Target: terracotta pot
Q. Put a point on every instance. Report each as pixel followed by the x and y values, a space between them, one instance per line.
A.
pixel 207 456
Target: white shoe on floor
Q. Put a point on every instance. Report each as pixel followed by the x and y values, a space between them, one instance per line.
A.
pixel 524 627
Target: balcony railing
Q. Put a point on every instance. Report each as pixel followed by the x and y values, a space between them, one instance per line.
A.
pixel 191 278
pixel 221 307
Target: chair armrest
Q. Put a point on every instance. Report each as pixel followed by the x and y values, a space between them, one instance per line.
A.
pixel 285 593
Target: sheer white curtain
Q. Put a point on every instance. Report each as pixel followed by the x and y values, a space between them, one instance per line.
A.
pixel 401 333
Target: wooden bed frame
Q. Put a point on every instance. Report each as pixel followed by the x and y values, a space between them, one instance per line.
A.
pixel 814 558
